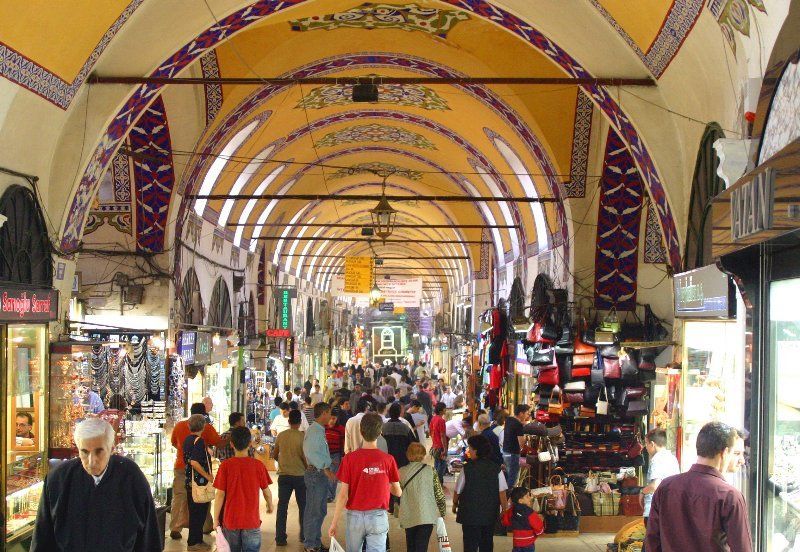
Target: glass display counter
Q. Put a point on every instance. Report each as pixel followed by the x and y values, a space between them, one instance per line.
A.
pixel 24 414
pixel 144 444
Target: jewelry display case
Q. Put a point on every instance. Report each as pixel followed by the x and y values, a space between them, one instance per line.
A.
pixel 144 444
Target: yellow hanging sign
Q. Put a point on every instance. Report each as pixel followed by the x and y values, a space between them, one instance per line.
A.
pixel 357 274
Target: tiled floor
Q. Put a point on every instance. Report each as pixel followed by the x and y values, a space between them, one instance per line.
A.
pixel 583 543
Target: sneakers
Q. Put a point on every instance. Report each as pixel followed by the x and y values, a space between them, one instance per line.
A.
pixel 176 535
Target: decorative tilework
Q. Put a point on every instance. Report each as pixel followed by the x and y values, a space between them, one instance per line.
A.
pixel 210 67
pixel 581 134
pixel 113 203
pixel 375 133
pixel 27 73
pixel 620 207
pixel 379 167
pixel 483 268
pixel 77 212
pixel 153 176
pixel 783 123
pixel 734 15
pixel 407 17
pixel 654 251
pixel 121 177
pixel 679 22
pixel 410 95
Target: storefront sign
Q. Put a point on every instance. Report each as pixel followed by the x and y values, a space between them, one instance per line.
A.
pixel 386 307
pixel 202 349
pixel 186 346
pixel 276 332
pixel 751 205
pixel 357 274
pixel 219 349
pixel 28 305
pixel 703 293
pixel 284 298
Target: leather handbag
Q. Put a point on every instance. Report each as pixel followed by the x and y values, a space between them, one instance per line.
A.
pixel 611 368
pixel 579 385
pixel 574 397
pixel 591 394
pixel 609 351
pixel 628 365
pixel 583 348
pixel 629 506
pixel 542 333
pixel 544 454
pixel 633 393
pixel 636 448
pixel 587 412
pixel 602 402
pixel 647 362
pixel 564 367
pixel 583 359
pixel 603 337
pixel 636 408
pixel 548 375
pixel 556 405
pixel 540 354
pixel 543 416
pixel 597 372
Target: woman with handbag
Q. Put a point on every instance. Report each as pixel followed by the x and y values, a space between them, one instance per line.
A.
pixel 198 480
pixel 423 500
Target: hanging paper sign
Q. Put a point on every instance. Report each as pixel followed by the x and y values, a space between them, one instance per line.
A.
pixel 357 274
pixel 403 292
pixel 521 365
pixel 28 305
pixel 386 307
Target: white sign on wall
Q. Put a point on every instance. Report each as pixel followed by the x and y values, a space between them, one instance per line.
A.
pixel 403 292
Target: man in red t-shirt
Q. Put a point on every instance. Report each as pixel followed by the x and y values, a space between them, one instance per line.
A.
pixel 368 476
pixel 238 481
pixel 438 428
pixel 180 509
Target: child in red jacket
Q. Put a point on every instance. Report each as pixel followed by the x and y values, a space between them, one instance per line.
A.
pixel 525 524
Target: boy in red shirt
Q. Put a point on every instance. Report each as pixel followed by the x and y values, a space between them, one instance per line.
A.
pixel 238 480
pixel 368 476
pixel 439 440
pixel 525 524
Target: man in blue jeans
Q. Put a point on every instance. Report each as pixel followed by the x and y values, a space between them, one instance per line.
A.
pixel 368 475
pixel 317 476
pixel 512 441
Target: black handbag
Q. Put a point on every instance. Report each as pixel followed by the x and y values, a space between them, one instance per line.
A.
pixel 636 408
pixel 609 351
pixel 540 355
pixel 496 350
pixel 591 394
pixel 629 365
pixel 598 375
pixel 564 367
pixel 553 523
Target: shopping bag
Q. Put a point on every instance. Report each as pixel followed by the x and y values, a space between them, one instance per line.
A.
pixel 441 536
pixel 222 544
pixel 335 546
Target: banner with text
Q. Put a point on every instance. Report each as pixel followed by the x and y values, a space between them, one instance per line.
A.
pixel 403 292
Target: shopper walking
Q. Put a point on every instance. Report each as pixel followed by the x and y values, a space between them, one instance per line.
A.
pixel 485 429
pixel 74 513
pixel 699 510
pixel 334 434
pixel 423 499
pixel 662 464
pixel 368 477
pixel 179 511
pixel 198 468
pixel 398 435
pixel 238 482
pixel 317 476
pixel 524 522
pixel 352 429
pixel 513 433
pixel 479 495
pixel 235 419
pixel 288 451
pixel 439 441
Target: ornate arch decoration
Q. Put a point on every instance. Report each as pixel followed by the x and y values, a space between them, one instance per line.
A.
pixel 220 312
pixel 191 300
pixel 250 325
pixel 109 142
pixel 25 251
pixel 706 184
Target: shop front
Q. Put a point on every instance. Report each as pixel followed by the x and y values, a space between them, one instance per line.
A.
pixel 24 314
pixel 757 239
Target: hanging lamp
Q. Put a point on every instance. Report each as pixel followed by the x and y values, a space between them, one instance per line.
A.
pixel 383 215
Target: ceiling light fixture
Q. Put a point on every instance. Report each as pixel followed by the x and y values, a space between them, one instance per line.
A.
pixel 365 93
pixel 383 215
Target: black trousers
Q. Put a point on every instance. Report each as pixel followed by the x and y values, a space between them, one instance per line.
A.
pixel 478 538
pixel 197 517
pixel 288 484
pixel 417 538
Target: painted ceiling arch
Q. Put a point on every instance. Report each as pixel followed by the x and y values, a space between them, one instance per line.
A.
pixel 74 221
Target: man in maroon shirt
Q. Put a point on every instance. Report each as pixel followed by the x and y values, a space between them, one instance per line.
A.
pixel 699 510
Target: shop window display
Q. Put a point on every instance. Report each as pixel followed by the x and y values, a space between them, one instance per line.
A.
pixel 26 425
pixel 783 495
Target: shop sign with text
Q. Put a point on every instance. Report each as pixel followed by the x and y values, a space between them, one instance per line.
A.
pixel 202 348
pixel 751 206
pixel 186 346
pixel 284 298
pixel 279 333
pixel 28 305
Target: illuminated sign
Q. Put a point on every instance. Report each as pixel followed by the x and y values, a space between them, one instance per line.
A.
pixel 275 332
pixel 186 346
pixel 702 293
pixel 28 305
pixel 285 309
pixel 202 349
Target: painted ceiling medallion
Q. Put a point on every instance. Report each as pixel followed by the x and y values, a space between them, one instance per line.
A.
pixel 408 95
pixel 375 133
pixel 376 166
pixel 734 15
pixel 408 17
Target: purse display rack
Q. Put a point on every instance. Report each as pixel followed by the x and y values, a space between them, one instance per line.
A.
pixel 557 502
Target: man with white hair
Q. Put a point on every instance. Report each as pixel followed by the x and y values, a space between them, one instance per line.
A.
pixel 98 501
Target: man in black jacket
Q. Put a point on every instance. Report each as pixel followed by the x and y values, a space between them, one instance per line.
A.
pixel 99 501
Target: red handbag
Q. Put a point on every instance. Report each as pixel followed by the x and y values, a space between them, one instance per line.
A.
pixel 582 348
pixel 573 397
pixel 543 416
pixel 611 368
pixel 629 506
pixel 548 375
pixel 535 334
pixel 584 359
pixel 582 372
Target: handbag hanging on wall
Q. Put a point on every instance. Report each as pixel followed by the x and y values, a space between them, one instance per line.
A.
pixel 540 354
pixel 597 372
pixel 556 406
pixel 611 368
pixel 602 402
